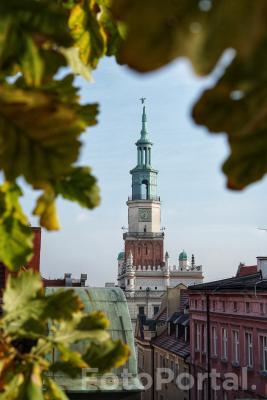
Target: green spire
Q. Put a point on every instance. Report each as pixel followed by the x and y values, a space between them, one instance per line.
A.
pixel 144 133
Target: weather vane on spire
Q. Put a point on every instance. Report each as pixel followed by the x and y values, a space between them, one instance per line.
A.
pixel 142 100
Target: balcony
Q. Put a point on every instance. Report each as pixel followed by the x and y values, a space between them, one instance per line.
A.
pixel 144 197
pixel 150 235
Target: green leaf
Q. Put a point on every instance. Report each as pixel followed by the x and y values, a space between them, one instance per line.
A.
pixel 70 362
pixel 237 105
pixel 39 130
pixel 31 32
pixel 23 305
pixel 87 32
pixel 31 63
pixel 69 302
pixel 33 386
pixel 16 236
pixel 107 355
pixel 93 320
pixel 53 391
pixel 158 32
pixel 79 186
pixel 12 388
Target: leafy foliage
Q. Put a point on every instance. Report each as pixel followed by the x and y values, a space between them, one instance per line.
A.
pixel 201 30
pixel 41 123
pixel 28 313
pixel 41 117
pixel 15 234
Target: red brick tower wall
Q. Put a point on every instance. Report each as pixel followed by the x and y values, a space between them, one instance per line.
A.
pixel 145 252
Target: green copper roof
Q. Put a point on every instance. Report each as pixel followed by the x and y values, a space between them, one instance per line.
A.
pixel 113 302
pixel 183 256
pixel 144 134
pixel 121 256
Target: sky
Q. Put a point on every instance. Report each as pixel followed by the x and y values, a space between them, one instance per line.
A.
pixel 200 215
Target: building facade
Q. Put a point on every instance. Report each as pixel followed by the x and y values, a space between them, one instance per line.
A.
pixel 144 271
pixel 228 324
pixel 163 347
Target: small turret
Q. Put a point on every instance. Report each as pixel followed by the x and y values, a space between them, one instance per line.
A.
pixel 130 274
pixel 183 260
pixel 167 257
pixel 193 262
pixel 166 272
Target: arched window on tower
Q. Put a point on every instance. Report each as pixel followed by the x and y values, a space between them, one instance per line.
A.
pixel 144 189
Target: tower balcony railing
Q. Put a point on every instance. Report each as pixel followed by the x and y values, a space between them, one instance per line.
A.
pixel 143 235
pixel 144 197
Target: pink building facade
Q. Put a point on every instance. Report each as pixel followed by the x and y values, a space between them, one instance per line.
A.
pixel 228 337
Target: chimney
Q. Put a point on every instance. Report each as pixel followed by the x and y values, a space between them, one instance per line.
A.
pixel 262 266
pixel 68 279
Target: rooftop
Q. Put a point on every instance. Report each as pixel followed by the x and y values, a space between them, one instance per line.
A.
pixel 237 283
pixel 172 344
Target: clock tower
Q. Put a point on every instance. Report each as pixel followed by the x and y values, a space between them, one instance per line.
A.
pixel 144 239
pixel 144 271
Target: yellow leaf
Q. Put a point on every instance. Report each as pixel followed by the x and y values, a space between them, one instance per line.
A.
pixel 46 210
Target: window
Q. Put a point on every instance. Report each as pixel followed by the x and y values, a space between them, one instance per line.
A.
pixel 156 310
pixel 141 310
pixel 204 338
pixel 161 361
pixel 234 306
pixel 236 346
pixel 247 307
pixel 249 349
pixel 214 339
pixel 156 287
pixel 224 344
pixel 225 396
pixel 263 353
pixel 214 305
pixel 128 281
pixel 262 308
pixel 223 306
pixel 140 287
pixel 176 371
pixel 177 331
pixel 172 365
pixel 214 394
pixel 197 336
pixel 186 334
pixel 202 304
pixel 196 304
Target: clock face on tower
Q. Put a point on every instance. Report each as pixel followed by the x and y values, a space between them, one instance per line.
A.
pixel 144 214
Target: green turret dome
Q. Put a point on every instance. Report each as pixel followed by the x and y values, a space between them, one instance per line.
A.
pixel 183 256
pixel 121 256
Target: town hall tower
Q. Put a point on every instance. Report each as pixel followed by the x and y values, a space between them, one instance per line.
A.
pixel 144 271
